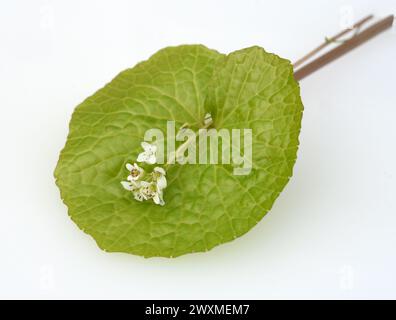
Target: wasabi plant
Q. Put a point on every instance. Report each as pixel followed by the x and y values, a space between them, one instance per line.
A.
pixel 246 103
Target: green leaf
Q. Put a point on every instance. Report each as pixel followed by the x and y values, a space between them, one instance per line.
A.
pixel 206 205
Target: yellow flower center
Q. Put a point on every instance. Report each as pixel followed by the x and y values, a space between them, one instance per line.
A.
pixel 134 173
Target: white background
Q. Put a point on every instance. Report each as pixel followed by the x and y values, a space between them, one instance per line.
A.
pixel 331 233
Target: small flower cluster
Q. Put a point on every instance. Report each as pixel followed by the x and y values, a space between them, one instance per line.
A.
pixel 153 184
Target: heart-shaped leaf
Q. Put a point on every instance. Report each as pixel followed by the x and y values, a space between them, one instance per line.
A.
pixel 206 204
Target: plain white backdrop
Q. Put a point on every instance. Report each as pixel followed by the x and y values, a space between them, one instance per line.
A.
pixel 331 233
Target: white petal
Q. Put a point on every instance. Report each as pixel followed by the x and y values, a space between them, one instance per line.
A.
pixel 149 147
pixel 158 199
pixel 145 196
pixel 160 170
pixel 129 166
pixel 153 148
pixel 146 146
pixel 138 196
pixel 135 184
pixel 151 159
pixel 161 183
pixel 142 157
pixel 144 183
pixel 126 185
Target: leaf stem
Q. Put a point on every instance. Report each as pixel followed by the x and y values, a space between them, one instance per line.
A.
pixel 180 150
pixel 330 40
pixel 346 46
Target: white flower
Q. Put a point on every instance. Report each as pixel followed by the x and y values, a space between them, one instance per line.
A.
pixel 135 172
pixel 156 182
pixel 148 155
pixel 149 190
pixel 159 177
